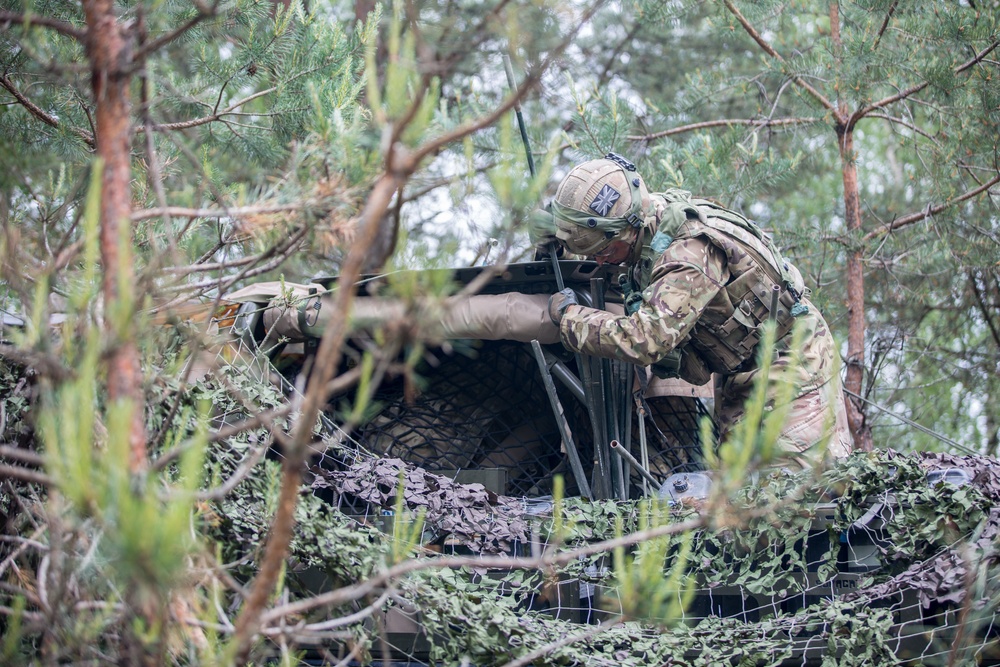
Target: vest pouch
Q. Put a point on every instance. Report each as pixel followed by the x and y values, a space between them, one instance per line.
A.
pixel 730 345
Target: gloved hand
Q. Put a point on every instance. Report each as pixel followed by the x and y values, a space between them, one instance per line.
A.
pixel 559 302
pixel 541 227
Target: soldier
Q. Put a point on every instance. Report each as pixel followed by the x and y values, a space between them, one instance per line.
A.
pixel 700 283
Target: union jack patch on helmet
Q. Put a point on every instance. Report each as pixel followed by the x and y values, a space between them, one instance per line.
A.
pixel 604 200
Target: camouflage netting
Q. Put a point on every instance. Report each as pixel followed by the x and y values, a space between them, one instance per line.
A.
pixel 871 563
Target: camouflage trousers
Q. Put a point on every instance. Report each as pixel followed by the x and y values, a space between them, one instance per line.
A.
pixel 815 431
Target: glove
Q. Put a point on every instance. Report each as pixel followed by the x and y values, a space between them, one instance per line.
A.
pixel 559 302
pixel 541 227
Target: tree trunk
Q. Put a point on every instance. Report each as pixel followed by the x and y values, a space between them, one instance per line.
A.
pixel 860 430
pixel 108 51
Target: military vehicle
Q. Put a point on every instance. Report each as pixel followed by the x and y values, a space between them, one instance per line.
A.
pixel 501 409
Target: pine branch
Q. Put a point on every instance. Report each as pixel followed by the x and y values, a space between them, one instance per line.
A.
pixel 929 211
pixel 204 12
pixel 62 27
pixel 763 43
pixel 905 123
pixel 725 122
pixel 181 212
pixel 38 113
pixel 984 309
pixel 25 475
pixel 858 115
pixel 509 103
pixel 216 116
pixel 885 24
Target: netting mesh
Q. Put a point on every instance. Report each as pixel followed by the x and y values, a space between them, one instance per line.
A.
pixel 827 583
pixel 485 409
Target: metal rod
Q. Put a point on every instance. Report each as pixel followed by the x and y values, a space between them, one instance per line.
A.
pixel 775 292
pixel 565 376
pixel 643 449
pixel 575 464
pixel 612 388
pixel 522 127
pixel 617 448
pixel 628 373
pixel 599 394
pixel 909 422
pixel 517 113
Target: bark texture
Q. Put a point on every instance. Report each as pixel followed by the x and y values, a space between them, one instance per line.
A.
pixel 853 382
pixel 108 49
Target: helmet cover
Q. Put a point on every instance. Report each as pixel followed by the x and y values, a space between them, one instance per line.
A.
pixel 598 202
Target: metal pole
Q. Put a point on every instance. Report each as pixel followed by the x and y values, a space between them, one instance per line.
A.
pixel 644 450
pixel 517 112
pixel 565 375
pixel 617 448
pixel 522 127
pixel 574 456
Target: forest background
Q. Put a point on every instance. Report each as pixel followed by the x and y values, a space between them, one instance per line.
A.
pixel 157 155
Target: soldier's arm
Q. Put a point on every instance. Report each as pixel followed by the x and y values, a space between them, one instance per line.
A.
pixel 684 280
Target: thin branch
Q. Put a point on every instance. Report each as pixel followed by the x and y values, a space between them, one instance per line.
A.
pixel 977 59
pixel 204 120
pixel 22 455
pixel 25 475
pixel 347 594
pixel 161 41
pixel 38 113
pixel 242 471
pixel 929 211
pixel 25 545
pixel 984 309
pixel 905 123
pixel 280 253
pixel 763 43
pixel 257 420
pixel 43 364
pixel 605 73
pixel 181 212
pixel 885 24
pixel 68 29
pixel 214 266
pixel 26 541
pixel 858 115
pixel 725 122
pixel 508 104
pixel 334 623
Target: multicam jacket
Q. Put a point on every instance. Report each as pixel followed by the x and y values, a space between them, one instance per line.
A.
pixel 708 280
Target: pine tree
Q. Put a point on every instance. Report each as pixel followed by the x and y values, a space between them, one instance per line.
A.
pixel 894 105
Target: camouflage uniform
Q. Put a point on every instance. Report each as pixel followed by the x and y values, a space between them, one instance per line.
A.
pixel 701 279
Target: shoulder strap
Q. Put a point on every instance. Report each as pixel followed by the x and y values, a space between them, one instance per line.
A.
pixel 752 235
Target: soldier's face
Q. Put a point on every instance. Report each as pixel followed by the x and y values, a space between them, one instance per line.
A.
pixel 616 252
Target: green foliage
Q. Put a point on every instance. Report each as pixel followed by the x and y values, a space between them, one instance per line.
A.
pixel 655 585
pixel 147 535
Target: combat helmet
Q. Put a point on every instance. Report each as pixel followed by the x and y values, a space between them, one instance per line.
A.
pixel 598 202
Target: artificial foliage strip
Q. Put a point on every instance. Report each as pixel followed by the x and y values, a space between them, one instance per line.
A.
pixel 487 620
pixel 936 534
pixel 941 548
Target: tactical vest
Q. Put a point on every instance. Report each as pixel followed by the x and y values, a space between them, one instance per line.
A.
pixel 761 285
